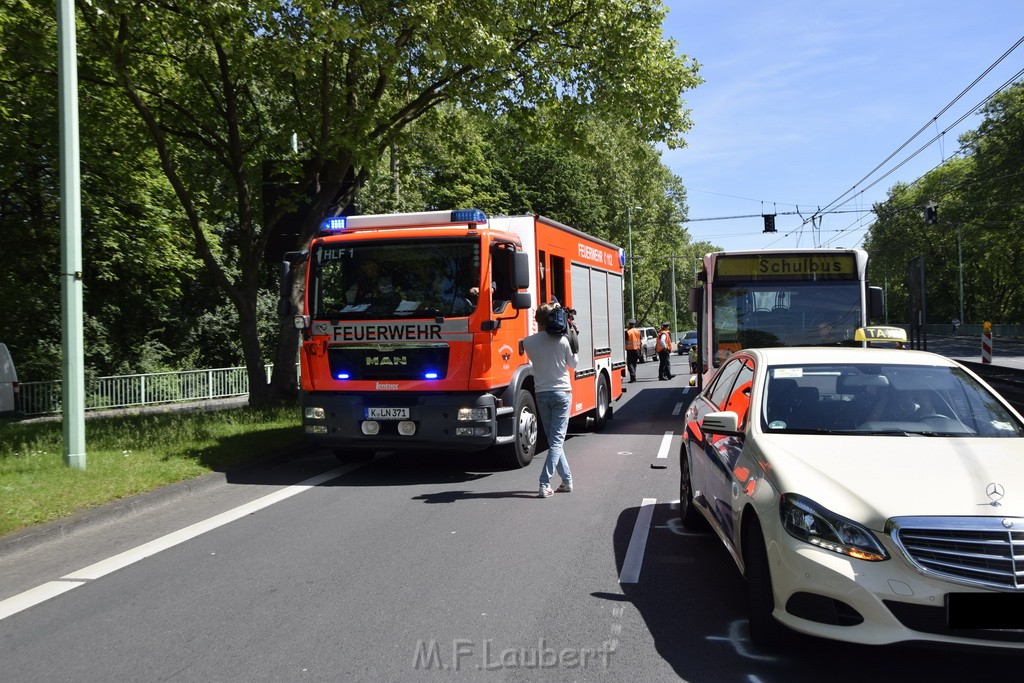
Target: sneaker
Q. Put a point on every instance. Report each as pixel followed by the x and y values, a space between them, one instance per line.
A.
pixel 564 487
pixel 545 491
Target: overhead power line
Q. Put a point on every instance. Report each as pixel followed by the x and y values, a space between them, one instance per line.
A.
pixel 933 120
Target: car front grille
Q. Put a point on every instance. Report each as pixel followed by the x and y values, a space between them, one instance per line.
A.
pixel 978 551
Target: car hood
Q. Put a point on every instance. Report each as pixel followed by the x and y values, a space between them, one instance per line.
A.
pixel 870 479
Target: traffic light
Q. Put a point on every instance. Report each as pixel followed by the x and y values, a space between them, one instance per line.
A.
pixel 931 214
pixel 769 222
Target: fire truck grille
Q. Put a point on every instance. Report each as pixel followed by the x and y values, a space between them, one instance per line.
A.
pixel 389 362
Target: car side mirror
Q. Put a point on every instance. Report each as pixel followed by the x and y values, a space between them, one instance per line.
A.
pixel 725 422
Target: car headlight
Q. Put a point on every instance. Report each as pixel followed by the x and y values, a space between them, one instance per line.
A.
pixel 809 522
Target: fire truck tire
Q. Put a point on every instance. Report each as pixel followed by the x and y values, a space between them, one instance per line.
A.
pixel 603 407
pixel 525 427
pixel 353 455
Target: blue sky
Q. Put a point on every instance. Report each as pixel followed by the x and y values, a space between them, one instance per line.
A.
pixel 804 98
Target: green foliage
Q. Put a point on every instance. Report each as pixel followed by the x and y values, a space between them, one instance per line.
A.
pixel 183 103
pixel 980 225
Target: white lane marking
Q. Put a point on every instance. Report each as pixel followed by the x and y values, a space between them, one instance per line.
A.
pixel 678 409
pixel 637 543
pixel 666 441
pixel 34 596
pixel 44 592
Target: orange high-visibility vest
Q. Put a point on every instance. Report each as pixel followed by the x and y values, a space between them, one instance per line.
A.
pixel 632 339
pixel 664 341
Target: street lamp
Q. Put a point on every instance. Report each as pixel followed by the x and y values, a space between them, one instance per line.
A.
pixel 629 230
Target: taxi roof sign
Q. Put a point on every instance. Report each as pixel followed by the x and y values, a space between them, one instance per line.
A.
pixel 880 333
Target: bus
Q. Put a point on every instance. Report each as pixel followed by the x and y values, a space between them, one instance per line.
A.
pixel 796 297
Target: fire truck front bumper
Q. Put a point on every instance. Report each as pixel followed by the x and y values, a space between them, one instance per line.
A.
pixel 391 421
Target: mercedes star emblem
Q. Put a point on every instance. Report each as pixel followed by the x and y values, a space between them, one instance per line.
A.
pixel 995 492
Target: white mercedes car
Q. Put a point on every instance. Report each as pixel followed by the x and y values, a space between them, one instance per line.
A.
pixel 867 495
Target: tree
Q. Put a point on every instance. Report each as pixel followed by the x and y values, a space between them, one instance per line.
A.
pixel 979 224
pixel 222 86
pixel 134 263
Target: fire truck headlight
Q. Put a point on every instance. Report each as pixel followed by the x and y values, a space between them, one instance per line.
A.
pixel 473 414
pixel 370 427
pixel 406 427
pixel 315 413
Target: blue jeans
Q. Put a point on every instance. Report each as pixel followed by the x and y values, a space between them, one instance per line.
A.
pixel 553 407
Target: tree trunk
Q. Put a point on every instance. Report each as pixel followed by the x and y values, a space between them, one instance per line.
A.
pixel 259 394
pixel 284 380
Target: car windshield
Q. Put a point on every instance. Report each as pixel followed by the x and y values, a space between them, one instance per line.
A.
pixel 865 399
pixel 388 280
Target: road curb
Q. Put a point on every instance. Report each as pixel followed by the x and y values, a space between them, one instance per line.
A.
pixel 50 532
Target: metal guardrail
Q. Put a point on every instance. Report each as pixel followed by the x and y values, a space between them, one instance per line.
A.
pixel 122 391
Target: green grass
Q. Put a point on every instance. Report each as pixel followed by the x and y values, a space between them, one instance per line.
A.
pixel 128 455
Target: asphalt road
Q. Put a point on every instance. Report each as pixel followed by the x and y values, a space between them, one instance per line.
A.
pixel 419 567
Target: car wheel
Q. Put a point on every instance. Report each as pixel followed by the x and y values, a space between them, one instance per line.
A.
pixel 520 452
pixel 348 456
pixel 688 514
pixel 765 631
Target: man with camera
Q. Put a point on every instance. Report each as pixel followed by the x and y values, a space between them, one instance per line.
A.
pixel 553 354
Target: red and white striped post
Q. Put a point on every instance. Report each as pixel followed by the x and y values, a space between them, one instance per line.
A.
pixel 986 343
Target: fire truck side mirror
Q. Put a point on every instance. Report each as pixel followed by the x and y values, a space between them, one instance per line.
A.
pixel 284 303
pixel 285 274
pixel 521 272
pixel 522 300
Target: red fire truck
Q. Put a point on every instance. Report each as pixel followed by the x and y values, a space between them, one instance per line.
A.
pixel 411 326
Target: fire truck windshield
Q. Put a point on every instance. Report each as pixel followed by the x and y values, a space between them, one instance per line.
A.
pixel 394 280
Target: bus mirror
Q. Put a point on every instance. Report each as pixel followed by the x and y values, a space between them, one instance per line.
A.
pixel 521 271
pixel 696 299
pixel 522 300
pixel 876 303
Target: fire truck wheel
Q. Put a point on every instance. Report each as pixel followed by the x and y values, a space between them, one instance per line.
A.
pixel 603 408
pixel 353 455
pixel 525 427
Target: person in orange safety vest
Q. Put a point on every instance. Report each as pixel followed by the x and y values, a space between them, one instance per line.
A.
pixel 632 349
pixel 663 346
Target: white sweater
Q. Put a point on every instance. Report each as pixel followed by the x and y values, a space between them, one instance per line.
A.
pixel 551 357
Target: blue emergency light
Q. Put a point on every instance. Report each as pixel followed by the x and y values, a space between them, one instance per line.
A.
pixel 430 375
pixel 332 225
pixel 469 216
pixel 622 257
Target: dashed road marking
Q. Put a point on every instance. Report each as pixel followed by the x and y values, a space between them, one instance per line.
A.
pixel 666 442
pixel 637 543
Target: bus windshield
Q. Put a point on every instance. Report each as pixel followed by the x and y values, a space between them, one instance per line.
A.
pixel 394 280
pixel 759 314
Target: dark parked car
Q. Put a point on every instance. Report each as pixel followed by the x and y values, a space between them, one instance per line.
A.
pixel 687 340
